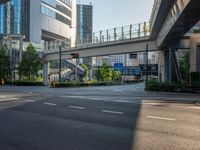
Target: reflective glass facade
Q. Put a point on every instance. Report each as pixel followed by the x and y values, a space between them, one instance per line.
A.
pixel 13 17
pixel 59 10
pixel 40 21
pixel 84 23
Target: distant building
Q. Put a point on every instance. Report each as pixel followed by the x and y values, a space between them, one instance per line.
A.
pixel 43 22
pixel 84 24
pixel 84 29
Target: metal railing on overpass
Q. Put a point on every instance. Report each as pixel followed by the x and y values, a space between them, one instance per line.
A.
pixel 133 31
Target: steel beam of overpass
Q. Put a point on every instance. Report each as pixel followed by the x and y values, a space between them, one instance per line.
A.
pixel 105 49
pixel 182 16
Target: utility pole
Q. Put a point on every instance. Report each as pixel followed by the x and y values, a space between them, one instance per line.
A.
pixel 60 55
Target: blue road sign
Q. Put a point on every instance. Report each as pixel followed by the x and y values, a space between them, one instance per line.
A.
pixel 118 66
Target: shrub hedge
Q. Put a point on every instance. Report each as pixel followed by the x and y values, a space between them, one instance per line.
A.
pixel 173 87
pixel 85 84
pixel 24 83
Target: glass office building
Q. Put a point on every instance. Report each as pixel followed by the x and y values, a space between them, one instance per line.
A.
pixel 84 31
pixel 40 21
pixel 84 24
pixel 13 17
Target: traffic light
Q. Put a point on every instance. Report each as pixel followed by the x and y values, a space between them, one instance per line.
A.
pixel 75 55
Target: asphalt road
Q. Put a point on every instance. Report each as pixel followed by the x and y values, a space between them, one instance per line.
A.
pixel 98 118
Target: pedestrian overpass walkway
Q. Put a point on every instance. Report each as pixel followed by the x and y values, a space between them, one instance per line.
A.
pixel 126 39
pixel 170 20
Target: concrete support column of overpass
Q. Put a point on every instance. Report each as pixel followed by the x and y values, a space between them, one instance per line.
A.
pixel 165 66
pixel 169 55
pixel 46 73
pixel 195 53
pixel 161 68
pixel 168 67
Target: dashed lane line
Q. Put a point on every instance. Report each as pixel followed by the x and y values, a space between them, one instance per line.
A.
pixel 99 99
pixel 198 108
pixel 161 118
pixel 77 107
pixel 3 97
pixel 51 104
pixel 29 101
pixel 112 112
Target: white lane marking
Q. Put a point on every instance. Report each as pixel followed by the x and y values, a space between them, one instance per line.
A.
pixel 161 118
pixel 112 112
pixel 14 98
pixel 151 103
pixel 51 104
pixel 194 108
pixel 3 97
pixel 99 99
pixel 76 107
pixel 122 101
pixel 29 101
pixel 9 99
pixel 30 92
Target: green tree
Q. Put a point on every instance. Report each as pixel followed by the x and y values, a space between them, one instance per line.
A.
pixel 115 75
pixel 31 63
pixel 184 67
pixel 108 74
pixel 4 63
pixel 86 73
pixel 104 72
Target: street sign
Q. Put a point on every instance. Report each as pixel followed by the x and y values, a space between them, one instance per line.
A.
pixel 118 67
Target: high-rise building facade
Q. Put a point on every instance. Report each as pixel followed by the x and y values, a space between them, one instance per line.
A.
pixel 84 28
pixel 84 24
pixel 46 22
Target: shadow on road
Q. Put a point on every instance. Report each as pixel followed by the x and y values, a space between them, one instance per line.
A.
pixel 35 126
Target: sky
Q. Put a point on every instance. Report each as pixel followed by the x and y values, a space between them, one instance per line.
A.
pixel 115 13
